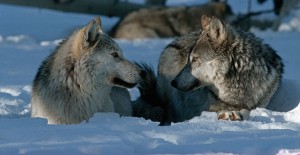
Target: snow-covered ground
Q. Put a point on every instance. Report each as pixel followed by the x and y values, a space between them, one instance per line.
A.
pixel 28 35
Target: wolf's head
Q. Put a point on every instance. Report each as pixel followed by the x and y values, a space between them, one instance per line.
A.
pixel 95 53
pixel 207 61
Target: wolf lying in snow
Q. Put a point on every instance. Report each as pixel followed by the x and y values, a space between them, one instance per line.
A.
pixel 86 74
pixel 219 69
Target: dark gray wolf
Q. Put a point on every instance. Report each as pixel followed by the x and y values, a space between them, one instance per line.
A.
pixel 219 69
pixel 86 74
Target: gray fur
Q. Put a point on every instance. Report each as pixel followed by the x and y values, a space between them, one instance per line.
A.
pixel 219 69
pixel 86 74
pixel 177 105
pixel 148 104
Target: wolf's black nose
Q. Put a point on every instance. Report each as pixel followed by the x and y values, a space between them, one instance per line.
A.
pixel 143 74
pixel 174 83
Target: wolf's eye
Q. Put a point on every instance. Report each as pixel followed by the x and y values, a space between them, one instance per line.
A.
pixel 114 54
pixel 194 59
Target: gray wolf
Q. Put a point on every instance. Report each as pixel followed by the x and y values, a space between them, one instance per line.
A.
pixel 220 69
pixel 165 22
pixel 86 74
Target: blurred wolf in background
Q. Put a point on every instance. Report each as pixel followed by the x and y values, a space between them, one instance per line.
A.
pixel 168 21
pixel 219 69
pixel 86 74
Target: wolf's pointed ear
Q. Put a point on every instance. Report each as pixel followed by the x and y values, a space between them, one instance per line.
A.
pixel 98 21
pixel 214 28
pixel 92 31
pixel 205 20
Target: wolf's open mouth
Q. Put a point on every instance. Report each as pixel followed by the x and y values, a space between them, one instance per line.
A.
pixel 123 83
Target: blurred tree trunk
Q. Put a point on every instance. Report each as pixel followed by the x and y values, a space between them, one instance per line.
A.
pixel 100 7
pixel 156 2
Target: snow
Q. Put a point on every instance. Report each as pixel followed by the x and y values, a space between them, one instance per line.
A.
pixel 28 35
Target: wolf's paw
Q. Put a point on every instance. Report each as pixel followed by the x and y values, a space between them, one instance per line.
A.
pixel 234 115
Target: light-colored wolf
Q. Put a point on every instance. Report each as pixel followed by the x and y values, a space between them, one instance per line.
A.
pixel 218 69
pixel 86 74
